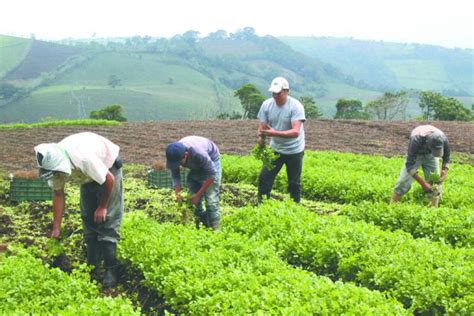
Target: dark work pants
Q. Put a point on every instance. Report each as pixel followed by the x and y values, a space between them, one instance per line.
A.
pixel 294 166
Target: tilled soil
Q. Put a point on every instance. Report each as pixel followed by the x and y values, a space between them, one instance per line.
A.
pixel 145 142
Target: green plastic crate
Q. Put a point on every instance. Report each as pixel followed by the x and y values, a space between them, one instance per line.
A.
pixel 162 178
pixel 30 190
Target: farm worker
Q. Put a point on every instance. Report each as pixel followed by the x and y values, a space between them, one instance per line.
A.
pixel 93 162
pixel 202 157
pixel 281 118
pixel 425 145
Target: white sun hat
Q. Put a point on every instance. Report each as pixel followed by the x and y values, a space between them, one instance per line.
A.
pixel 53 158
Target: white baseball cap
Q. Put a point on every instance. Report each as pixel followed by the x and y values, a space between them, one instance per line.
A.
pixel 278 84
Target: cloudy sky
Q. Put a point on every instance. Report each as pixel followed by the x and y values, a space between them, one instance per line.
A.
pixel 438 22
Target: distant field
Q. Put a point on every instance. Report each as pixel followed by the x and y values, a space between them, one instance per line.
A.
pixel 430 74
pixel 339 90
pixel 166 104
pixel 12 52
pixel 385 64
pixel 151 89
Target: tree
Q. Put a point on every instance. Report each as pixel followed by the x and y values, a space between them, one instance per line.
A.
pixel 389 106
pixel 229 116
pixel 311 110
pixel 218 35
pixel 350 109
pixel 428 101
pixel 245 33
pixel 111 112
pixel 114 81
pixel 436 106
pixel 251 100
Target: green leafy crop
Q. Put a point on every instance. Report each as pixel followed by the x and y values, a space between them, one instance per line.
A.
pixel 265 153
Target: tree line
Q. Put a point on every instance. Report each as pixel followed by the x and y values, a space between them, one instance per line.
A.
pixel 390 106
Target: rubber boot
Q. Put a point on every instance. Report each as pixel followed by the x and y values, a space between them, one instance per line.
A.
pixel 109 250
pixel 200 221
pixel 93 256
pixel 395 198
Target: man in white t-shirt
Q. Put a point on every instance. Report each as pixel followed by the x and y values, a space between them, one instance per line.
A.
pixel 281 118
pixel 93 162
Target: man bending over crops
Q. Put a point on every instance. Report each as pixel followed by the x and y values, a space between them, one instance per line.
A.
pixel 425 145
pixel 93 162
pixel 202 156
pixel 281 118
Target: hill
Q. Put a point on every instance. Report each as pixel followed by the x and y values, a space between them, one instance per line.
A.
pixel 12 52
pixel 384 65
pixel 184 77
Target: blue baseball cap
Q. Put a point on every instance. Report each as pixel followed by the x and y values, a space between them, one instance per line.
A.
pixel 174 155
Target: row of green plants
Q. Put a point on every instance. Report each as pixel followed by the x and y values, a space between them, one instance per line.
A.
pixel 29 286
pixel 443 224
pixel 425 276
pixel 161 206
pixel 353 178
pixel 201 272
pixel 80 122
pixel 447 225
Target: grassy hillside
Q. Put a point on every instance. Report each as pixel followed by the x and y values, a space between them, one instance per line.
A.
pixel 171 82
pixel 12 51
pixel 187 77
pixel 151 88
pixel 384 65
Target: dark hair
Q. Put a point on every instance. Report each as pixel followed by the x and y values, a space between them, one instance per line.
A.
pixel 39 157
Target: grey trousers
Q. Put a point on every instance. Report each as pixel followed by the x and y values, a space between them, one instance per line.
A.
pixel 427 162
pixel 91 194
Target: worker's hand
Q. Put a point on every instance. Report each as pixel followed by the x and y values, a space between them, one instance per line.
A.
pixel 179 198
pixel 443 175
pixel 269 132
pixel 194 199
pixel 100 215
pixel 426 187
pixel 55 232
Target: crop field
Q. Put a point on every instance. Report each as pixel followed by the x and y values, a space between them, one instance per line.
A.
pixel 343 250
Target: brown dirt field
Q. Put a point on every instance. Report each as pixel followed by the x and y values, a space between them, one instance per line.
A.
pixel 144 142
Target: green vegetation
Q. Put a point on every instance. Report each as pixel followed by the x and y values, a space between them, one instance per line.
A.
pixel 436 106
pixel 12 51
pixel 388 66
pixel 111 112
pixel 160 79
pixel 201 272
pixel 265 154
pixel 251 99
pixel 26 286
pixel 87 122
pixel 426 277
pixel 350 109
pixel 278 257
pixel 390 106
pixel 444 224
pixel 354 178
pixel 311 110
